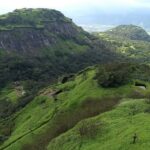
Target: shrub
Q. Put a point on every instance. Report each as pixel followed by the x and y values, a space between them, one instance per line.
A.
pixel 148 101
pixel 3 138
pixel 136 95
pixel 133 110
pixel 147 110
pixel 6 108
pixel 23 101
pixel 88 129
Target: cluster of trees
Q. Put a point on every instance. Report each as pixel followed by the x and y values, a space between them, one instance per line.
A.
pixel 112 75
pixel 117 74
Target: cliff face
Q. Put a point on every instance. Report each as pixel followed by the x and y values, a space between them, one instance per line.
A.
pixel 27 39
pixel 23 39
pixel 19 32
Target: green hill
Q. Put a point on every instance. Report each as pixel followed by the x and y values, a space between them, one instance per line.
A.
pixel 131 32
pixel 39 45
pixel 80 112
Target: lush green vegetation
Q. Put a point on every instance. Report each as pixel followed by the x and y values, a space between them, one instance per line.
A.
pixel 46 104
pixel 58 119
pixel 46 69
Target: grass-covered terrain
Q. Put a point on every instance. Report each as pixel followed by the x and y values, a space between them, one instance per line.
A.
pixel 113 130
pixel 82 114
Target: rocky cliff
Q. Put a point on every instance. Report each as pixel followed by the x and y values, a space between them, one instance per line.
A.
pixel 26 30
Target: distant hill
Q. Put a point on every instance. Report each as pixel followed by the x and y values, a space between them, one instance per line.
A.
pixel 131 32
pixel 130 40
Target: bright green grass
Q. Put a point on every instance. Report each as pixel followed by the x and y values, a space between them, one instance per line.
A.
pixel 38 115
pixel 116 129
pixel 30 119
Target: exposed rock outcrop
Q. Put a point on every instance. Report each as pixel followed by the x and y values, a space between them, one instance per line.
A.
pixel 21 32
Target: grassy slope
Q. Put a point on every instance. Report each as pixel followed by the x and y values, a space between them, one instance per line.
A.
pixel 43 114
pixel 115 130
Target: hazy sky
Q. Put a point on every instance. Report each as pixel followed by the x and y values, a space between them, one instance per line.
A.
pixel 71 5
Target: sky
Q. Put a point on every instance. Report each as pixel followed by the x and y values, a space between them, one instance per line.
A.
pixel 71 5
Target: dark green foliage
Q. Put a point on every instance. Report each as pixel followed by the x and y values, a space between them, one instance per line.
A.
pixel 6 127
pixel 113 75
pixel 47 68
pixel 6 108
pixel 137 95
pixel 67 78
pixel 23 101
pixel 117 74
pixel 89 130
pixel 3 138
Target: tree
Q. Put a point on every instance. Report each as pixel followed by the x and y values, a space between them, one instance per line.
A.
pixel 113 75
